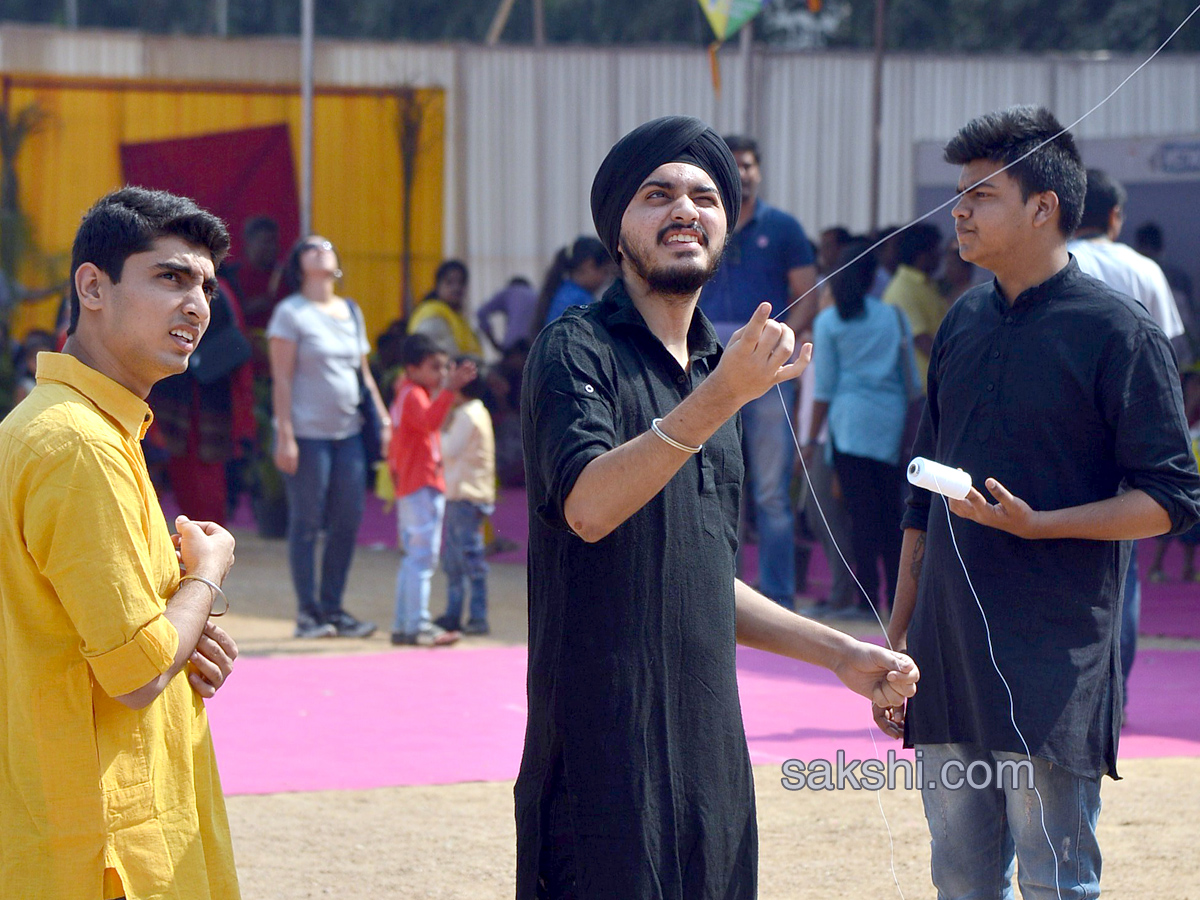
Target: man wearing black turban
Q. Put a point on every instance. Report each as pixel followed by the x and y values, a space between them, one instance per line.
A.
pixel 635 780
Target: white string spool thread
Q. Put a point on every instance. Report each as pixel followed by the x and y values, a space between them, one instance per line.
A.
pixel 939 478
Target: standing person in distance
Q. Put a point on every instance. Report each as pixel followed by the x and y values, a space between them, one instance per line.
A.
pixel 317 343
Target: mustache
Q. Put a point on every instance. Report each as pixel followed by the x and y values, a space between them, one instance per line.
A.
pixel 698 228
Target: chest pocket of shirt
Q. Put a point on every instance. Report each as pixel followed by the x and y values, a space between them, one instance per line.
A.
pixel 721 474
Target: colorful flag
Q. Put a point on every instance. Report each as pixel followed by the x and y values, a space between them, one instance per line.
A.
pixel 727 16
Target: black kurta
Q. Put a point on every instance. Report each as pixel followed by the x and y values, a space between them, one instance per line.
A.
pixel 1067 397
pixel 632 685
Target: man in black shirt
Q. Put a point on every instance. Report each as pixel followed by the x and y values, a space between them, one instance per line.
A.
pixel 1061 397
pixel 635 780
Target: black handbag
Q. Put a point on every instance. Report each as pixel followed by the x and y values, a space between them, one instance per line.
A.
pixel 372 424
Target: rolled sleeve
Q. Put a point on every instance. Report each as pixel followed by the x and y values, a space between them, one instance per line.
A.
pixel 138 661
pixel 1153 448
pixel 570 410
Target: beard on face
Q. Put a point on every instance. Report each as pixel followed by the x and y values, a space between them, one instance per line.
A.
pixel 681 279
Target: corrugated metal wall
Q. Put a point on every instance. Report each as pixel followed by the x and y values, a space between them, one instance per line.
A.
pixel 526 129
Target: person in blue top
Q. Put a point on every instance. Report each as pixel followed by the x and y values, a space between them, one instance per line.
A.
pixel 578 272
pixel 768 257
pixel 862 356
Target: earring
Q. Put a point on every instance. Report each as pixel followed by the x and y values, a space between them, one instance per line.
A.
pixel 337 273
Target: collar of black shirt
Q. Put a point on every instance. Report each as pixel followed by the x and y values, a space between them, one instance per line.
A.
pixel 617 310
pixel 1039 293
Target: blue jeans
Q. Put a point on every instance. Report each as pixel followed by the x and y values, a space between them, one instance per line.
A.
pixel 462 559
pixel 770 452
pixel 979 834
pixel 1131 614
pixel 419 524
pixel 326 494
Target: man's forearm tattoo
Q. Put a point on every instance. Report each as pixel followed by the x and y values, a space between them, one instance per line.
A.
pixel 918 556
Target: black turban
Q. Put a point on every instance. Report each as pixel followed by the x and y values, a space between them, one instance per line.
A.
pixel 666 140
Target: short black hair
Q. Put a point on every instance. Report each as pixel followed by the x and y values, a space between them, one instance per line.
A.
pixel 740 143
pixel 924 237
pixel 417 348
pixel 1009 135
pixel 129 221
pixel 1150 236
pixel 1104 194
pixel 259 225
pixel 448 266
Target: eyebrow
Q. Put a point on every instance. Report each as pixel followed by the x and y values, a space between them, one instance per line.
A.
pixel 209 285
pixel 975 184
pixel 673 185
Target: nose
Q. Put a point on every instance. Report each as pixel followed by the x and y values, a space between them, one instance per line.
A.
pixel 685 210
pixel 960 210
pixel 197 305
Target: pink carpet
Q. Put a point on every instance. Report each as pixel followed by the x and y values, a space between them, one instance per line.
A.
pixel 445 716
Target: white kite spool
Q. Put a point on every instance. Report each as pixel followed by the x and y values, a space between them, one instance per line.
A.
pixel 933 476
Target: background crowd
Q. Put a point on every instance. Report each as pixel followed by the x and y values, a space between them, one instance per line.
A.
pixel 286 386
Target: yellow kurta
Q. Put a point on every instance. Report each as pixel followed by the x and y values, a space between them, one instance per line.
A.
pixel 916 294
pixel 86 566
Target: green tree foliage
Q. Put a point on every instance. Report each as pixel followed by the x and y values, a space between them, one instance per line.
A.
pixel 973 26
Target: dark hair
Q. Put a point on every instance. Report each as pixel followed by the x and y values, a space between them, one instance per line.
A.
pixel 840 233
pixel 519 281
pixel 1150 236
pixel 1007 136
pixel 476 388
pixel 1104 194
pixel 259 225
pixel 417 348
pixel 129 221
pixel 448 266
pixel 851 285
pixel 293 277
pixel 741 143
pixel 567 259
pixel 924 237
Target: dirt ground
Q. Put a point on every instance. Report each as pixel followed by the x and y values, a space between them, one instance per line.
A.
pixel 457 841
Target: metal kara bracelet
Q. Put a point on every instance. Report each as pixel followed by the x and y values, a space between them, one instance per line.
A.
pixel 212 586
pixel 670 440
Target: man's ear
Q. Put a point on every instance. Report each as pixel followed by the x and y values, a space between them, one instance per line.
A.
pixel 90 283
pixel 1045 209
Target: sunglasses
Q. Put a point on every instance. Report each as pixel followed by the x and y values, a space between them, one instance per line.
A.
pixel 316 245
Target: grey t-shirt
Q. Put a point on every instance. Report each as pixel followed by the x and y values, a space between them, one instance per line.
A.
pixel 325 383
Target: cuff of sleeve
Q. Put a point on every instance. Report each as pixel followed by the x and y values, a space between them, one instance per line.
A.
pixel 915 517
pixel 139 661
pixel 1181 517
pixel 553 512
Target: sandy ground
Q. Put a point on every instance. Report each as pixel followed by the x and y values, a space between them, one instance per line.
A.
pixel 457 841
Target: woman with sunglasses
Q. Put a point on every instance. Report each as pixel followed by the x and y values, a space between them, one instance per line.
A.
pixel 317 345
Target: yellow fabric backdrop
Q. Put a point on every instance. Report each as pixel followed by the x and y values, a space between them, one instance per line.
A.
pixel 357 188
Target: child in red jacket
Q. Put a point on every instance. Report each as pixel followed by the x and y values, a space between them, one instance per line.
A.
pixel 424 396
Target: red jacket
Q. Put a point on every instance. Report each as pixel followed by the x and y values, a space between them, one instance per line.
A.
pixel 415 452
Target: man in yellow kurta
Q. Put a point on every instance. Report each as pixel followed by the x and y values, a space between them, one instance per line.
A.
pixel 913 290
pixel 108 785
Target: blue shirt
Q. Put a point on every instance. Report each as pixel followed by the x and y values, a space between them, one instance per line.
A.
pixel 568 294
pixel 755 268
pixel 860 374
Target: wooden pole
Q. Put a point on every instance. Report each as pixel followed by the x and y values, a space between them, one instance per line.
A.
pixel 307 11
pixel 499 21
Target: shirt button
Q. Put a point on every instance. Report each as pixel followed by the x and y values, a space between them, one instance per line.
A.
pixel 1008 320
pixel 681 379
pixel 991 387
pixel 995 354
